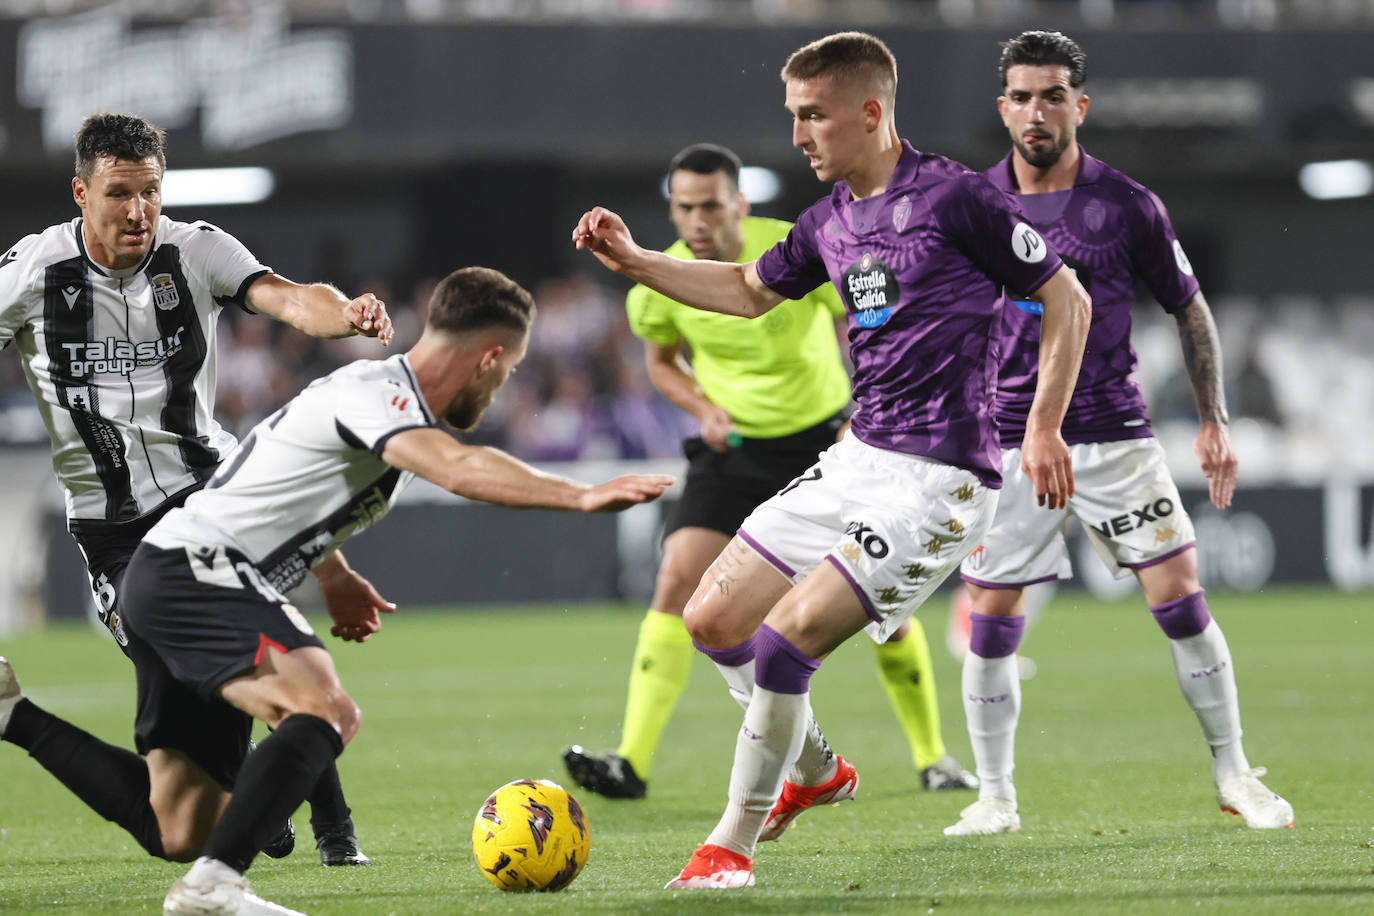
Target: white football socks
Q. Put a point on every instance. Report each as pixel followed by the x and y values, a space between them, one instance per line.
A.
pixel 815 764
pixel 1202 664
pixel 775 726
pixel 992 706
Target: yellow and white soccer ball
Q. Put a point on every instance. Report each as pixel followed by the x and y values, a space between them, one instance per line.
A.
pixel 531 835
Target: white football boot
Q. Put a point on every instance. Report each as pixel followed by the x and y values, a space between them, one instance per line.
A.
pixel 1260 806
pixel 986 816
pixel 212 888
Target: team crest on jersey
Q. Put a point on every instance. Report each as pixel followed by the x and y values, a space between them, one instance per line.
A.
pixel 1095 215
pixel 79 398
pixel 870 291
pixel 297 619
pixel 901 214
pixel 165 292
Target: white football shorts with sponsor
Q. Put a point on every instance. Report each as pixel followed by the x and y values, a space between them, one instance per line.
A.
pixel 895 525
pixel 1123 495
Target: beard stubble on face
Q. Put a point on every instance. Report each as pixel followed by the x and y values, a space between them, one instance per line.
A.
pixel 1041 158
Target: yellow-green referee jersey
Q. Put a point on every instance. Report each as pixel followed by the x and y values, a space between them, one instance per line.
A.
pixel 774 375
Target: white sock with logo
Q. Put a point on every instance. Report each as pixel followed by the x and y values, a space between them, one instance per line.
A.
pixel 740 680
pixel 1202 664
pixel 992 706
pixel 775 725
pixel 815 764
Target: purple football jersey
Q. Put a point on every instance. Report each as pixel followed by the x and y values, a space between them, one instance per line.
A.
pixel 1111 230
pixel 921 269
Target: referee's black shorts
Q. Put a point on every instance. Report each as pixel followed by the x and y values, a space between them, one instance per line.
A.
pixel 187 636
pixel 722 488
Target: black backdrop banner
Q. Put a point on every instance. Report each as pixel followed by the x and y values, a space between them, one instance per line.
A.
pixel 445 554
pixel 404 93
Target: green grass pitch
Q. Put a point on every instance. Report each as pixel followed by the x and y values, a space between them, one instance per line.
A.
pixel 1116 797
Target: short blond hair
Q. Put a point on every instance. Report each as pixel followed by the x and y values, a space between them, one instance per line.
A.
pixel 850 57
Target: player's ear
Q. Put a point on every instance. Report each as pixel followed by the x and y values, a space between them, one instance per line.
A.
pixel 1083 103
pixel 79 192
pixel 489 357
pixel 743 204
pixel 873 113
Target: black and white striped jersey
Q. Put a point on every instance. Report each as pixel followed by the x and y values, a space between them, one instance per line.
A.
pixel 305 479
pixel 122 362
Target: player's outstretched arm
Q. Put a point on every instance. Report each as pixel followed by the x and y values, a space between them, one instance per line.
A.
pixel 353 603
pixel 1197 332
pixel 319 309
pixel 1063 334
pixel 491 476
pixel 713 286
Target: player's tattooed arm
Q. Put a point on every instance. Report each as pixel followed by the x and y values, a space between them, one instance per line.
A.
pixel 1197 331
pixel 1202 355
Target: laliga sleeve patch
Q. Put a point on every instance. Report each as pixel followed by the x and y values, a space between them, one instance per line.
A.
pixel 1027 244
pixel 1184 264
pixel 399 405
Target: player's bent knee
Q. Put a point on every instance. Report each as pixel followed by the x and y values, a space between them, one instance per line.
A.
pixel 339 710
pixel 710 627
pixel 350 722
pixel 180 845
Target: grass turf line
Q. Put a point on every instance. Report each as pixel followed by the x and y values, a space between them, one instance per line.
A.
pixel 1117 805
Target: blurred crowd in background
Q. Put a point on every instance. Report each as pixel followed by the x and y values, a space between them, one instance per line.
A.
pixel 1260 14
pixel 1298 370
pixel 1298 378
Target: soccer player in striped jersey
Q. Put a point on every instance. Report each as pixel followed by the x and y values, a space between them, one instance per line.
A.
pixel 770 396
pixel 207 586
pixel 113 314
pixel 1113 231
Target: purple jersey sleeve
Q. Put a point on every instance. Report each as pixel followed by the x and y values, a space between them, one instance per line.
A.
pixel 997 236
pixel 1157 258
pixel 794 267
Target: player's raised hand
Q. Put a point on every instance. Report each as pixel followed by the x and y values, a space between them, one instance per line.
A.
pixel 368 316
pixel 605 235
pixel 1045 459
pixel 623 492
pixel 1219 463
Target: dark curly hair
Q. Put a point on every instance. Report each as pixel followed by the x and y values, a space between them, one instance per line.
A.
pixel 118 136
pixel 1039 49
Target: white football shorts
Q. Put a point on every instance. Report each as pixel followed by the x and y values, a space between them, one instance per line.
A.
pixel 1123 495
pixel 895 525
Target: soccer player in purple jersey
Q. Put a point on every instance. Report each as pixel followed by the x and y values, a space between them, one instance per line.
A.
pixel 1113 231
pixel 920 249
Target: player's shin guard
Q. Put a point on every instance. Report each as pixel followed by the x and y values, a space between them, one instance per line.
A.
pixel 992 700
pixel 113 781
pixel 1202 664
pixel 775 726
pixel 662 664
pixel 909 679
pixel 275 779
pixel 328 807
pixel 736 665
